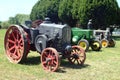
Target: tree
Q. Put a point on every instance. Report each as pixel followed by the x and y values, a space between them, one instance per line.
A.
pixel 102 12
pixel 12 20
pixel 19 19
pixel 45 8
pixel 5 24
pixel 0 25
pixel 65 12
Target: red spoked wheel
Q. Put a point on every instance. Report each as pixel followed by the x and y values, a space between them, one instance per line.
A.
pixel 50 59
pixel 16 44
pixel 77 55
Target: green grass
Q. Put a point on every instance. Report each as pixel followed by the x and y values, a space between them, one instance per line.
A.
pixel 102 65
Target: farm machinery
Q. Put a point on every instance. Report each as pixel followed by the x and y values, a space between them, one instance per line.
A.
pixel 51 40
pixel 105 38
pixel 85 39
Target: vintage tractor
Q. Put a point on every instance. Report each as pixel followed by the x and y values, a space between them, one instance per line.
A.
pixel 105 38
pixel 51 40
pixel 84 38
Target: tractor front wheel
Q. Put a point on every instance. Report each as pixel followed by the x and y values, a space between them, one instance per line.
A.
pixel 50 59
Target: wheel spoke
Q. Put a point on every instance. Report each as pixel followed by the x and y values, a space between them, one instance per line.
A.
pixel 20 40
pixel 13 36
pixel 18 54
pixel 74 60
pixel 17 35
pixel 44 62
pixel 21 47
pixel 78 62
pixel 11 41
pixel 11 48
pixel 45 54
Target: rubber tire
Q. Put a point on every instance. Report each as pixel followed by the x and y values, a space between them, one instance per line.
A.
pixel 93 45
pixel 111 43
pixel 104 45
pixel 86 44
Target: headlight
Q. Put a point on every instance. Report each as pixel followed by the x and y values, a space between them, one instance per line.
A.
pixel 74 39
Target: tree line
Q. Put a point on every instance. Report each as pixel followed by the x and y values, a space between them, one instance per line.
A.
pixel 18 19
pixel 102 12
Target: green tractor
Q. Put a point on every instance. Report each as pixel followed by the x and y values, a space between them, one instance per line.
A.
pixel 85 39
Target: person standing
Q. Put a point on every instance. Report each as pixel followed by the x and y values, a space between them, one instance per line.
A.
pixel 89 25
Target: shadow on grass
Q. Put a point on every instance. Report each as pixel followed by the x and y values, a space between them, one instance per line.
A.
pixel 66 64
pixel 91 51
pixel 31 61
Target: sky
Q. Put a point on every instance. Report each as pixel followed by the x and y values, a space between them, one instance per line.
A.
pixel 9 8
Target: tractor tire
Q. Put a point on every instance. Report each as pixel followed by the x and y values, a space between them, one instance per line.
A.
pixel 96 45
pixel 50 59
pixel 16 44
pixel 104 43
pixel 111 43
pixel 84 44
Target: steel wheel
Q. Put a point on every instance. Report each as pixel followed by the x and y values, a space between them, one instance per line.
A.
pixel 50 59
pixel 111 43
pixel 77 55
pixel 84 44
pixel 96 45
pixel 15 45
pixel 104 43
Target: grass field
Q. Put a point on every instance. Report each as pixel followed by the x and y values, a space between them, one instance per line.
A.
pixel 103 65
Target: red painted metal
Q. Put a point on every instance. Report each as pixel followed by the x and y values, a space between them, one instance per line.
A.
pixel 50 59
pixel 15 44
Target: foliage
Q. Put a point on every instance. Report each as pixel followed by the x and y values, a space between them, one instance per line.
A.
pixel 65 12
pixel 102 12
pixel 5 25
pixel 45 8
pixel 0 25
pixel 18 19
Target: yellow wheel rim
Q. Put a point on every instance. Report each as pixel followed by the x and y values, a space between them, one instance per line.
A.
pixel 83 45
pixel 96 45
pixel 104 43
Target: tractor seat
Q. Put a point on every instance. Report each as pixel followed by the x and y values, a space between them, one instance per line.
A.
pixel 36 23
pixel 24 27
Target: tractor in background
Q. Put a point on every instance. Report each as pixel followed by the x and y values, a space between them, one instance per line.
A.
pixel 85 39
pixel 105 38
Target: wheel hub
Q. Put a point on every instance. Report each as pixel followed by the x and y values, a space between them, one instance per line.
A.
pixel 75 56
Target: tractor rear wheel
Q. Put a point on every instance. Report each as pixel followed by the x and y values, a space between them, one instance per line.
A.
pixel 84 44
pixel 77 55
pixel 111 43
pixel 50 59
pixel 96 45
pixel 104 43
pixel 16 44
